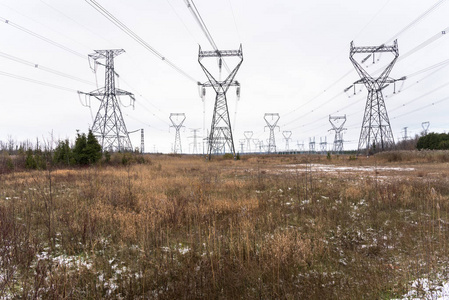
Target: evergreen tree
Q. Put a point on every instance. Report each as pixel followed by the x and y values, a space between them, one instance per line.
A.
pixel 63 154
pixel 434 141
pixel 93 148
pixel 87 150
pixel 79 151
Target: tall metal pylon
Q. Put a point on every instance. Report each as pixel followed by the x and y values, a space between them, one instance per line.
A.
pixel 337 123
pixel 300 146
pixel 177 119
pixel 287 137
pixel 375 134
pixel 272 125
pixel 323 145
pixel 142 142
pixel 312 145
pixel 242 143
pixel 220 134
pixel 195 143
pixel 109 127
pixel 405 137
pixel 425 127
pixel 248 136
pixel 256 144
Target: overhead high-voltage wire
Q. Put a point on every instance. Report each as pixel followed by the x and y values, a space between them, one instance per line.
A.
pixel 78 23
pixel 199 19
pixel 425 43
pixel 233 17
pixel 182 21
pixel 407 27
pixel 42 38
pixel 441 65
pixel 414 22
pixel 38 82
pixel 43 68
pixel 420 108
pixel 412 51
pixel 135 37
pixel 196 14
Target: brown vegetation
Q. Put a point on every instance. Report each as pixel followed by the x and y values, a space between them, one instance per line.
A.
pixel 178 227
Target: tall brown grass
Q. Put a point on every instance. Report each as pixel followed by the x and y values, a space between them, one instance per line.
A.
pixel 183 228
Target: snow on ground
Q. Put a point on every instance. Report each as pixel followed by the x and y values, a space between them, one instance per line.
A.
pixel 424 288
pixel 334 168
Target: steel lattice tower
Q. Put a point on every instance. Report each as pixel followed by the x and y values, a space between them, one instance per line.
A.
pixel 177 119
pixel 312 145
pixel 272 124
pixel 248 136
pixel 287 136
pixel 338 128
pixel 220 134
pixel 425 127
pixel 323 145
pixel 300 146
pixel 256 144
pixel 376 131
pixel 142 141
pixel 195 135
pixel 109 127
pixel 242 143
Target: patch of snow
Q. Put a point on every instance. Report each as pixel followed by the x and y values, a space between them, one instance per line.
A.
pixel 424 288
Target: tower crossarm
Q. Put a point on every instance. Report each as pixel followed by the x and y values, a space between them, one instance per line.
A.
pixel 221 53
pixel 216 85
pixel 375 49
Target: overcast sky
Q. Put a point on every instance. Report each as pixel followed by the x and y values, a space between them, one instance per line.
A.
pixel 295 56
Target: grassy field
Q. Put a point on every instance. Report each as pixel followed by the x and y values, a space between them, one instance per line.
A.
pixel 263 227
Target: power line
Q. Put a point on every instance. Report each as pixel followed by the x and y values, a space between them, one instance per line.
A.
pixel 407 27
pixel 43 68
pixel 417 48
pixel 135 37
pixel 415 21
pixel 38 82
pixel 199 19
pixel 422 107
pixel 43 38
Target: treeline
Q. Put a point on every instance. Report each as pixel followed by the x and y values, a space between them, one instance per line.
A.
pixel 85 151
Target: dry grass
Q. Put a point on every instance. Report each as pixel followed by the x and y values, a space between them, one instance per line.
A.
pixel 181 227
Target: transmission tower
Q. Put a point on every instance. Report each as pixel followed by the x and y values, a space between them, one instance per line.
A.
pixel 256 144
pixel 425 127
pixel 142 142
pixel 405 137
pixel 312 145
pixel 300 146
pixel 220 133
pixel 177 119
pixel 287 137
pixel 338 128
pixel 242 143
pixel 248 136
pixel 323 145
pixel 109 126
pixel 272 119
pixel 195 149
pixel 376 130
